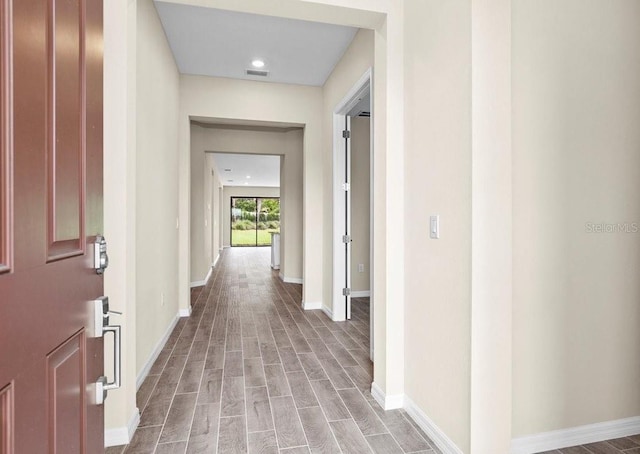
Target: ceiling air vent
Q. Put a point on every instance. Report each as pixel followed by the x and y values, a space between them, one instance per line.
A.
pixel 257 72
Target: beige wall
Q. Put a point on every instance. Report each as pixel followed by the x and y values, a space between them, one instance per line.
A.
pixel 286 142
pixel 205 206
pixel 120 203
pixel 437 326
pixel 491 226
pixel 360 202
pixel 576 92
pixel 201 181
pixel 212 210
pixel 238 191
pixel 156 183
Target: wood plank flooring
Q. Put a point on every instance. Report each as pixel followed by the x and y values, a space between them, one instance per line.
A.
pixel 625 445
pixel 251 372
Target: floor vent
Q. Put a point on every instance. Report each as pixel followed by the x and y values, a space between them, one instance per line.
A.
pixel 257 72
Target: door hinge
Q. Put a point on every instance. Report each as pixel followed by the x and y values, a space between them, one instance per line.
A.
pixel 346 239
pixel 346 291
pixel 346 134
pixel 346 186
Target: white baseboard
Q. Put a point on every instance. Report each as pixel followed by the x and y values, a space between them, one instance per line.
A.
pixel 311 306
pixel 430 428
pixel 360 293
pixel 275 267
pixel 206 279
pixel 185 312
pixel 564 438
pixel 291 280
pixel 197 284
pixel 386 402
pixel 327 311
pixel 122 435
pixel 154 354
pixel 215 262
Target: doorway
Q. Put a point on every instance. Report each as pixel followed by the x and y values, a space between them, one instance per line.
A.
pixel 254 220
pixel 352 202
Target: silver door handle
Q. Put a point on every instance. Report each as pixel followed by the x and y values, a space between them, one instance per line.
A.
pixel 117 357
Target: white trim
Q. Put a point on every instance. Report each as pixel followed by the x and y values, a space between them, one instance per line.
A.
pixel 436 434
pixel 338 257
pixel 185 312
pixel 378 394
pixel 156 352
pixel 215 262
pixel 312 306
pixel 122 435
pixel 291 280
pixel 386 402
pixel 327 311
pixel 394 402
pixel 360 293
pixel 206 279
pixel 564 438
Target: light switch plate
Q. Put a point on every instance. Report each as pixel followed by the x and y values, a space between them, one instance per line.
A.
pixel 434 227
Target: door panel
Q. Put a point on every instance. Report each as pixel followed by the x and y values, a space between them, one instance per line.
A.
pixel 29 70
pixel 65 147
pixel 65 374
pixel 50 212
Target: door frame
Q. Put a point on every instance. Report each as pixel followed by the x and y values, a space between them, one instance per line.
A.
pixel 363 85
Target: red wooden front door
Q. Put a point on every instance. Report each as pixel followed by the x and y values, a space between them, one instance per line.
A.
pixel 50 212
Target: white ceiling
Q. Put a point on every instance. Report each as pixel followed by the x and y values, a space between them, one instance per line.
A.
pixel 213 42
pixel 262 170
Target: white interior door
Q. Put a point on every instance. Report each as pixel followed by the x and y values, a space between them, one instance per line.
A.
pixel 347 217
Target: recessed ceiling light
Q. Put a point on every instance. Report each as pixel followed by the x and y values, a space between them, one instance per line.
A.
pixel 230 181
pixel 257 63
pixel 246 183
pixel 227 170
pixel 248 176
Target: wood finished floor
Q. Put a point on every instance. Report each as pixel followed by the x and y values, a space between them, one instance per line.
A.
pixel 250 372
pixel 626 445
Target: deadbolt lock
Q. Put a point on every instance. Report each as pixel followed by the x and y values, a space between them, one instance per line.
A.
pixel 100 257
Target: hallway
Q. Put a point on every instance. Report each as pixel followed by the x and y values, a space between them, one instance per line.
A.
pixel 250 371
